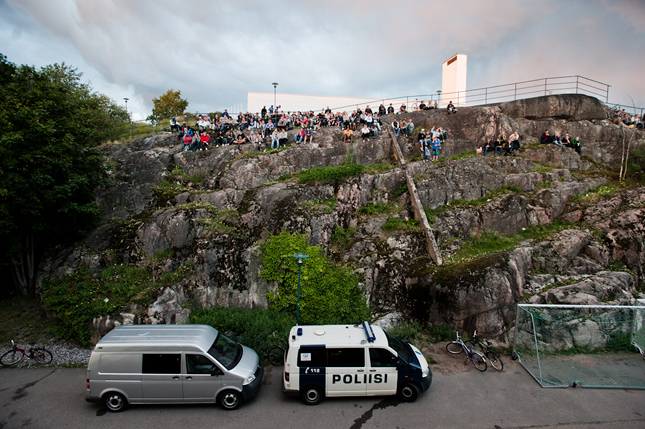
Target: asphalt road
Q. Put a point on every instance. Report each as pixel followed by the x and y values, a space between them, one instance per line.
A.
pixel 55 398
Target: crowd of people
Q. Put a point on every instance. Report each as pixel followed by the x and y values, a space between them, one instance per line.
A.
pixel 621 116
pixel 502 145
pixel 565 141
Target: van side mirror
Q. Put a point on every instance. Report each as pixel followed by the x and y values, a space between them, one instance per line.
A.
pixel 216 371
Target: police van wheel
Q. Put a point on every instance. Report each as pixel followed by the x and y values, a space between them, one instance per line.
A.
pixel 409 392
pixel 312 395
pixel 230 399
pixel 115 402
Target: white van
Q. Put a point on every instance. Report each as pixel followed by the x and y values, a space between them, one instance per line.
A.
pixel 352 360
pixel 153 364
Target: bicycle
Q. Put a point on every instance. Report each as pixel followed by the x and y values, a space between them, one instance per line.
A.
pixel 487 348
pixel 16 354
pixel 477 358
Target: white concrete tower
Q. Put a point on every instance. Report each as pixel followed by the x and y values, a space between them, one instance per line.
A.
pixel 453 80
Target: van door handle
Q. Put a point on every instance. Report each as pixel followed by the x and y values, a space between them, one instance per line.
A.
pixel 372 370
pixel 360 370
pixel 176 377
pixel 189 378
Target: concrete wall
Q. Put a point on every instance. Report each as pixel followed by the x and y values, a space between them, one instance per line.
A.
pixel 453 80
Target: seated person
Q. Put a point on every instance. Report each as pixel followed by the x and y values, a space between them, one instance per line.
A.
pixel 546 137
pixel 422 106
pixel 566 141
pixel 206 138
pixel 390 109
pixel 451 108
pixel 403 109
pixel 365 132
pixel 283 137
pixel 239 138
pixel 498 144
pixel 348 135
pixel 309 135
pixel 487 146
pixel 556 139
pixel 187 141
pixel 575 143
pixel 174 126
pixel 275 140
pixel 515 141
pixel 395 127
pixel 300 136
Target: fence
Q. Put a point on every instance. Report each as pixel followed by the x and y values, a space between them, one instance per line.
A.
pixel 586 345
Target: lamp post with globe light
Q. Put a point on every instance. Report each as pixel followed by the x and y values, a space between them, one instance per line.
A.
pixel 300 258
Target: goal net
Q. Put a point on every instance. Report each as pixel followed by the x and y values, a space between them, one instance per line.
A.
pixel 586 345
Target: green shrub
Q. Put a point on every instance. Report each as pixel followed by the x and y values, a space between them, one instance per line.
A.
pixel 257 328
pixel 342 236
pixel 79 297
pixel 328 294
pixel 373 209
pixel 396 223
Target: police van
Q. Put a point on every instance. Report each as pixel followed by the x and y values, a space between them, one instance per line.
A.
pixel 352 360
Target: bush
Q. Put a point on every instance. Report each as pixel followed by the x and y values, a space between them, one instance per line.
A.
pixel 79 297
pixel 328 294
pixel 257 328
pixel 330 173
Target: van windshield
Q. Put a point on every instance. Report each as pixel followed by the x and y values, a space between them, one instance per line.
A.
pixel 400 347
pixel 226 351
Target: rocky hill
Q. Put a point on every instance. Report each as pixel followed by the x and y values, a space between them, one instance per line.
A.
pixel 570 234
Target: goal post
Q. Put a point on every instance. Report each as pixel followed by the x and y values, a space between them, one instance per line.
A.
pixel 587 345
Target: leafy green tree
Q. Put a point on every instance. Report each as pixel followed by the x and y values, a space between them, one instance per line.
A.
pixel 49 121
pixel 328 294
pixel 167 105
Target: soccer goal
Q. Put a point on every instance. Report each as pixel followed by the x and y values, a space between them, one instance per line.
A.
pixel 582 345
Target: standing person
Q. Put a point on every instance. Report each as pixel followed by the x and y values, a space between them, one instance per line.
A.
pixel 436 146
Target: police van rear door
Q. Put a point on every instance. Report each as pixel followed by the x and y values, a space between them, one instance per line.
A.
pixel 346 371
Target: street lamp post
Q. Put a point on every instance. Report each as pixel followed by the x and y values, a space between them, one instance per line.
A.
pixel 275 88
pixel 300 257
pixel 126 105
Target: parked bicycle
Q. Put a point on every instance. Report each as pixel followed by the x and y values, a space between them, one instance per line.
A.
pixel 487 349
pixel 477 358
pixel 16 354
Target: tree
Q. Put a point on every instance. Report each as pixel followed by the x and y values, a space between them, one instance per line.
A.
pixel 49 122
pixel 167 105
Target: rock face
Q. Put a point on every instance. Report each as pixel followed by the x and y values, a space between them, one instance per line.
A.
pixel 211 209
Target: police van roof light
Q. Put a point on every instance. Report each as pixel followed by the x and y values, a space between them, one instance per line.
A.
pixel 369 332
pixel 299 332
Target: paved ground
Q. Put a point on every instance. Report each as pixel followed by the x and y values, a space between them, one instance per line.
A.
pixel 54 398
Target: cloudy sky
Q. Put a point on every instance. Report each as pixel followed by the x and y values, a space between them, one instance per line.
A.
pixel 216 51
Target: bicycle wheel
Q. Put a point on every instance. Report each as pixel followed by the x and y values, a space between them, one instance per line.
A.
pixel 12 357
pixel 42 356
pixel 495 360
pixel 478 361
pixel 454 347
pixel 275 356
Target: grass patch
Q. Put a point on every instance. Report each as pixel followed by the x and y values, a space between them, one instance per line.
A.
pixel 491 242
pixel 23 319
pixel 462 155
pixel 375 209
pixel 379 168
pixel 320 206
pixel 396 223
pixel 594 195
pixel 329 174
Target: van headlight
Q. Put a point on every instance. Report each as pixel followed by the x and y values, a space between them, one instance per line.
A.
pixel 425 372
pixel 249 379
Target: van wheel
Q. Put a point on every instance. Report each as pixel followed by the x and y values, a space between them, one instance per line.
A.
pixel 409 392
pixel 230 399
pixel 115 402
pixel 312 395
